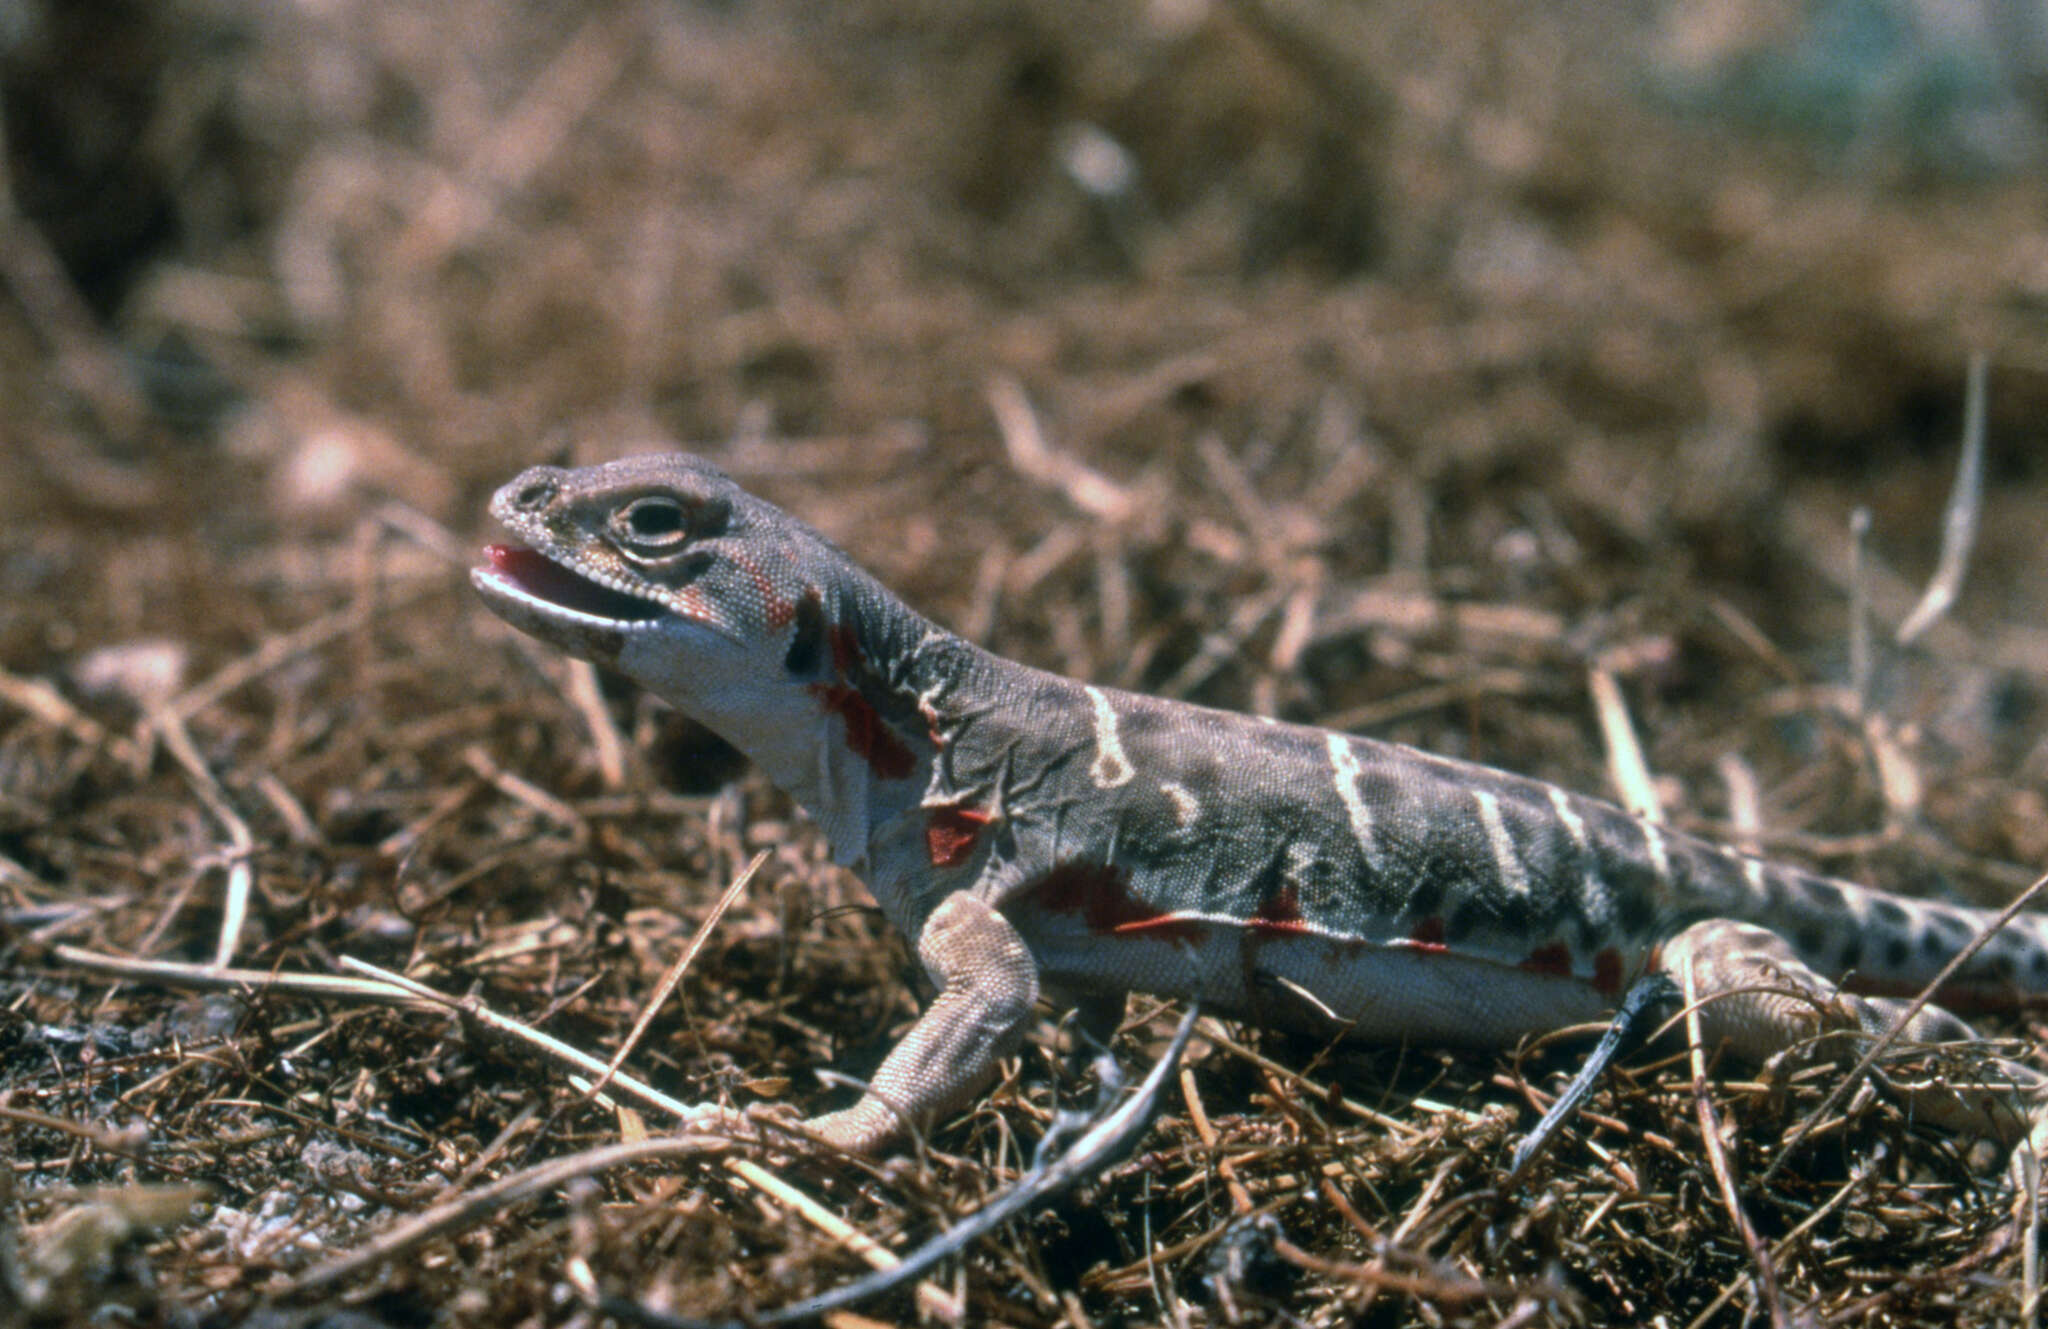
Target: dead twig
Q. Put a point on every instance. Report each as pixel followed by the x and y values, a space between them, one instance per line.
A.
pixel 1959 518
pixel 465 1210
pixel 1112 1131
pixel 676 971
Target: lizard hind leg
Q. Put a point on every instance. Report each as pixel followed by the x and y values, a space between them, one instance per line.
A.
pixel 1758 999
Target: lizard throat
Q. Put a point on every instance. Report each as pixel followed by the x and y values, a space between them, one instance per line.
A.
pixel 544 579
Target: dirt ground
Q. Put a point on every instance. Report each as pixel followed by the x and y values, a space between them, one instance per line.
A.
pixel 1424 369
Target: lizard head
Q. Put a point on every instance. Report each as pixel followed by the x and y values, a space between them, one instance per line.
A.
pixel 645 549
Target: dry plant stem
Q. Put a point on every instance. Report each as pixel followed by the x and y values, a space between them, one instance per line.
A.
pixel 465 1210
pixel 1205 1131
pixel 1883 1042
pixel 177 740
pixel 1745 801
pixel 1450 1287
pixel 1089 1155
pixel 46 704
pixel 1036 460
pixel 1625 764
pixel 1859 610
pixel 280 650
pixel 1321 1093
pixel 504 1024
pixel 606 744
pixel 175 974
pixel 932 1300
pixel 676 971
pixel 526 792
pixel 128 1144
pixel 1959 519
pixel 1717 1160
pixel 1784 1244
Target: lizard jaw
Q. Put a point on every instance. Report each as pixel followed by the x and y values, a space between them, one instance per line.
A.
pixel 556 603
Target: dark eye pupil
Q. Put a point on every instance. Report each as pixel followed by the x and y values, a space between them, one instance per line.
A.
pixel 655 519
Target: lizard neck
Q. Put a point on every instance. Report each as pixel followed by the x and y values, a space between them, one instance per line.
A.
pixel 836 710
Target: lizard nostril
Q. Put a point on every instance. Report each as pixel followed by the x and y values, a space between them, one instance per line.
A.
pixel 536 495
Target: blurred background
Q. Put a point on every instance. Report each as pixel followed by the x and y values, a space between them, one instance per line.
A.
pixel 1385 363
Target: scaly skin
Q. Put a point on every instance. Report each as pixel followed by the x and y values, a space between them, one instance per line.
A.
pixel 1026 830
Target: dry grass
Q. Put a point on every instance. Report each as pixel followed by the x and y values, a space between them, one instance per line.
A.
pixel 1436 372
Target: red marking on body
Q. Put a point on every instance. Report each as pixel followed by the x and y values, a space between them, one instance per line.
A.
pixel 778 609
pixel 866 732
pixel 1280 912
pixel 846 656
pixel 1429 935
pixel 1607 972
pixel 1555 959
pixel 1101 895
pixel 950 833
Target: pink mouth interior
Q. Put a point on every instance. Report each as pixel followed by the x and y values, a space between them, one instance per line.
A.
pixel 545 579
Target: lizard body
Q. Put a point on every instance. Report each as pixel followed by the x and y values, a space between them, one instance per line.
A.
pixel 1026 830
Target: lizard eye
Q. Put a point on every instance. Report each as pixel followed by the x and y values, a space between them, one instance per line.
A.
pixel 654 521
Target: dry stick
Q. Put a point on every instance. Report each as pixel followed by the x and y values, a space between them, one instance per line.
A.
pixel 1033 458
pixel 176 974
pixel 1889 1036
pixel 46 704
pixel 605 741
pixel 1779 1248
pixel 932 1300
pixel 505 1024
pixel 1088 1156
pixel 1959 519
pixel 676 971
pixel 610 1076
pixel 1198 1116
pixel 177 740
pixel 275 652
pixel 466 1209
pixel 1717 1160
pixel 1625 764
pixel 1859 610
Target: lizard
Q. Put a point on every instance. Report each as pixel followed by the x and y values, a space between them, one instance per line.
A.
pixel 1030 833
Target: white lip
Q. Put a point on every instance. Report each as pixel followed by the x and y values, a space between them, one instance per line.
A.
pixel 498 589
pixel 533 614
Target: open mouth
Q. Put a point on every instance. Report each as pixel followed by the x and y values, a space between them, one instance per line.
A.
pixel 544 579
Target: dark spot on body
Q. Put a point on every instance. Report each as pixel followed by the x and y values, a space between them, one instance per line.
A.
pixel 1429 934
pixel 1809 941
pixel 1895 952
pixel 1891 912
pixel 867 734
pixel 1953 926
pixel 2037 964
pixel 1465 919
pixel 1607 972
pixel 1821 893
pixel 1635 900
pixel 807 644
pixel 1933 944
pixel 1554 959
pixel 1427 896
pixel 1852 953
